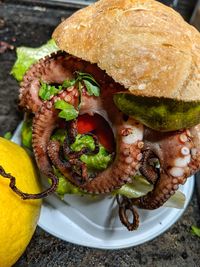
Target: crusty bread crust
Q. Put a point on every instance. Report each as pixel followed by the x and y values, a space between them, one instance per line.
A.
pixel 142 44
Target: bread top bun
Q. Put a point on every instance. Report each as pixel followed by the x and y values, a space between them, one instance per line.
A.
pixel 142 44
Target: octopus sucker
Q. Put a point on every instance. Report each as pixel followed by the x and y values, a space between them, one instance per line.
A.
pixel 174 169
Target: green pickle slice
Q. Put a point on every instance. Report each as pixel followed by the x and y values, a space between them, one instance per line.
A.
pixel 161 114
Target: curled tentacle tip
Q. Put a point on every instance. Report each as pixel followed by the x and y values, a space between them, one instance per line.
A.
pixel 125 205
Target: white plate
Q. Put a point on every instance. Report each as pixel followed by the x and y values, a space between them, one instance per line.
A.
pixel 95 223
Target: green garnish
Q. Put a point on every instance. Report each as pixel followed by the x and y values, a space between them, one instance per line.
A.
pixel 83 141
pixel 8 135
pixel 68 112
pixel 64 186
pixel 99 161
pixel 26 133
pixel 47 91
pixel 59 135
pixel 27 56
pixel 195 230
pixel 90 83
pixel 138 188
pixel 68 83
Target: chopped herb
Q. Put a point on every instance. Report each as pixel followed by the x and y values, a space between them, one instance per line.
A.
pixel 8 135
pixel 47 90
pixel 86 76
pixel 92 89
pixel 195 230
pixel 90 83
pixel 68 83
pixel 68 112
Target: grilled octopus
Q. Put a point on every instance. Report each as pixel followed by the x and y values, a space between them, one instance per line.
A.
pixel 137 147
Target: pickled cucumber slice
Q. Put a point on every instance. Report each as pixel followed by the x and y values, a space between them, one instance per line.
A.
pixel 161 114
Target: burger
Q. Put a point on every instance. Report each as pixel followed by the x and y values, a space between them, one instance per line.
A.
pixel 118 103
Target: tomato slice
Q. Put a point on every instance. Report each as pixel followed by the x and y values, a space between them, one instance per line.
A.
pixel 100 127
pixel 86 123
pixel 106 138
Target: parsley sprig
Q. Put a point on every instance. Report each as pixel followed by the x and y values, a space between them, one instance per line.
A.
pixel 82 79
pixel 90 83
pixel 47 91
pixel 68 112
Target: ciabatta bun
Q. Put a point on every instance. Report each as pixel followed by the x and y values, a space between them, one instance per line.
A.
pixel 142 44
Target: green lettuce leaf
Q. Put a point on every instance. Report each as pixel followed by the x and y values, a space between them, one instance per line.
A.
pixel 83 141
pixel 176 201
pixel 59 135
pixel 64 186
pixel 98 162
pixel 27 56
pixel 26 133
pixel 138 188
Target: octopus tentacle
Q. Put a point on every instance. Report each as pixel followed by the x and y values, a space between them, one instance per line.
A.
pixel 65 167
pixel 124 206
pixel 195 151
pixel 24 195
pixel 44 123
pixel 53 150
pixel 72 133
pixel 55 68
pixel 46 70
pixel 147 170
pixel 174 151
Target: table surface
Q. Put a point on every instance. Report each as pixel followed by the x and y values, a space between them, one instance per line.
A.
pixel 32 26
